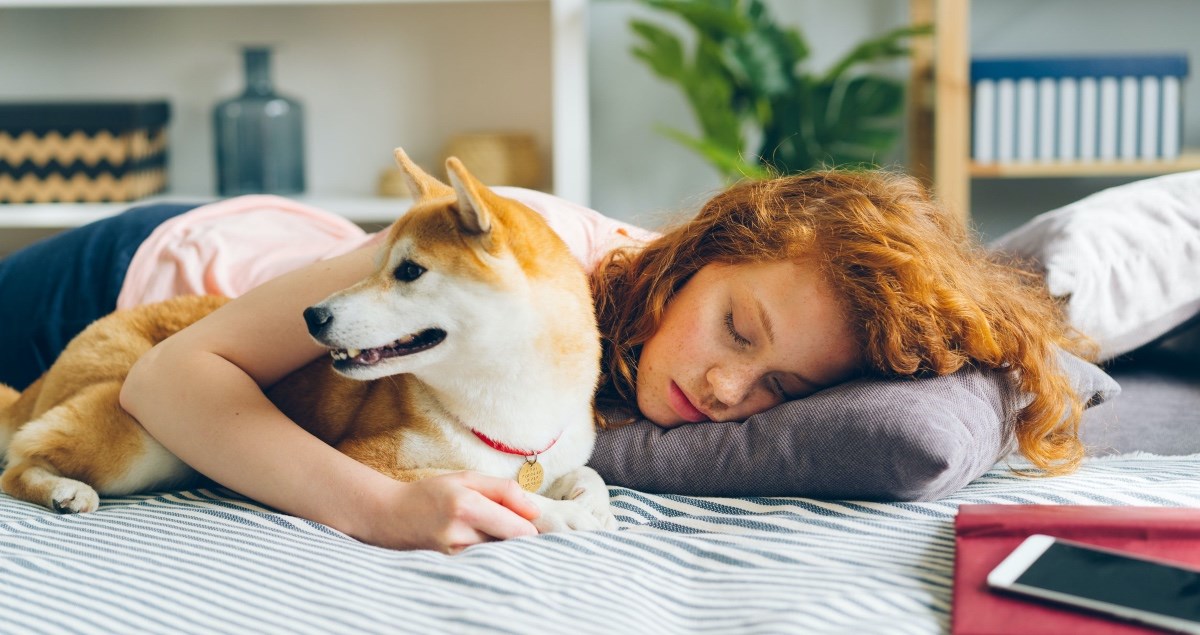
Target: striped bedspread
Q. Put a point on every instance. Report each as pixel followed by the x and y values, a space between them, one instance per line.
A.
pixel 204 561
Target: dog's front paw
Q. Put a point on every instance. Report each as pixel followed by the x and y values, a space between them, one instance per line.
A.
pixel 605 517
pixel 598 505
pixel 566 515
pixel 585 487
pixel 74 497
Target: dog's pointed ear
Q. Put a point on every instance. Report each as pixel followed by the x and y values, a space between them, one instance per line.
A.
pixel 420 183
pixel 473 213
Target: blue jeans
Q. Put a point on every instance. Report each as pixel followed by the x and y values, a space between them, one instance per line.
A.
pixel 52 289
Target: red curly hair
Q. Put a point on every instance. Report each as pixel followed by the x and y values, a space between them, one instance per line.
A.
pixel 924 296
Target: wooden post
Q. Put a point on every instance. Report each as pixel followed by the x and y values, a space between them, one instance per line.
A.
pixel 920 96
pixel 952 98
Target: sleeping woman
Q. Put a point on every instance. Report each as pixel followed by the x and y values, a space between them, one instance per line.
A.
pixel 775 290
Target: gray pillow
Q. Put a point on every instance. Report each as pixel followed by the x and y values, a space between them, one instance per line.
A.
pixel 868 439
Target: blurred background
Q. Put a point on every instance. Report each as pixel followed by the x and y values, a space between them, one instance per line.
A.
pixel 543 93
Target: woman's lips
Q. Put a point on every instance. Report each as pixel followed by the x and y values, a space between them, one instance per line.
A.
pixel 683 407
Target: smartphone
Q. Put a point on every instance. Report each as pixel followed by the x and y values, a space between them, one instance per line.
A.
pixel 1119 584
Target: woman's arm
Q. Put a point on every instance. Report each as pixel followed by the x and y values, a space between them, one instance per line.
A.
pixel 200 393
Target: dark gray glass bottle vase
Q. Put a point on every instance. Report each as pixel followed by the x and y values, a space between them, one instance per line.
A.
pixel 259 135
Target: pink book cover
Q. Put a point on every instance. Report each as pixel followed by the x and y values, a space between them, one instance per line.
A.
pixel 986 534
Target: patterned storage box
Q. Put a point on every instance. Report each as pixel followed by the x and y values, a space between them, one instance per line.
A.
pixel 82 152
pixel 1049 109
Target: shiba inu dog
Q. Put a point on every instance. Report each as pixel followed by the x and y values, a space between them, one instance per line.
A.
pixel 473 346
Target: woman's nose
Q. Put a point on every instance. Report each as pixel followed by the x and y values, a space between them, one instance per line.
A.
pixel 730 385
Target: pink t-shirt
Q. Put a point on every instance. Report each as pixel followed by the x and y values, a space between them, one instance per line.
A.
pixel 229 247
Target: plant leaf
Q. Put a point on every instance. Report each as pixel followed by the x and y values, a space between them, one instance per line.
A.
pixel 860 118
pixel 660 49
pixel 710 92
pixel 890 45
pixel 852 121
pixel 727 161
pixel 745 78
pixel 712 19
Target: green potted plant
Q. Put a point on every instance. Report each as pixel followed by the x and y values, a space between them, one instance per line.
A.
pixel 759 109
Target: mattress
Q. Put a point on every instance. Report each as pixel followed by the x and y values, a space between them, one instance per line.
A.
pixel 208 561
pixel 1158 409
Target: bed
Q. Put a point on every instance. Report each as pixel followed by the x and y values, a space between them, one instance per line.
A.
pixel 208 561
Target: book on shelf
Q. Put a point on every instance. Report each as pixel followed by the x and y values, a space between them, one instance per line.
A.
pixel 1110 105
pixel 1068 118
pixel 1172 118
pixel 1006 120
pixel 1089 106
pixel 1059 109
pixel 1047 112
pixel 984 121
pixel 1026 119
pixel 1151 120
pixel 986 534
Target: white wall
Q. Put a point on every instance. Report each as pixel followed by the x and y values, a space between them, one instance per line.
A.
pixel 638 174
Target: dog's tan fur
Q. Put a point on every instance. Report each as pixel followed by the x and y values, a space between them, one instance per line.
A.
pixel 66 435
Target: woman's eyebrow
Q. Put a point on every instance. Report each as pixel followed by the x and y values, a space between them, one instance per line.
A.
pixel 764 320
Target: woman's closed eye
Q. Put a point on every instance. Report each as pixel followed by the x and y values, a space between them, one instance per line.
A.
pixel 733 333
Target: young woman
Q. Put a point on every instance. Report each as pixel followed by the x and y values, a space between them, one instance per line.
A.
pixel 869 276
pixel 775 290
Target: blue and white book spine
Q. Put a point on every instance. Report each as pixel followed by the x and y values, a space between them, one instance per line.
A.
pixel 1171 118
pixel 1151 122
pixel 1047 93
pixel 1068 121
pixel 1006 120
pixel 1128 150
pixel 1063 108
pixel 1026 119
pixel 985 121
pixel 1110 106
pixel 1089 121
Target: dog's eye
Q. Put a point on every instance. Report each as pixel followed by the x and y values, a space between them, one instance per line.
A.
pixel 409 271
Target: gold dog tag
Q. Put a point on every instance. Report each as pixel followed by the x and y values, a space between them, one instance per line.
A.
pixel 531 474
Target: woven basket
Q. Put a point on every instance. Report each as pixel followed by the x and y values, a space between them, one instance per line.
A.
pixel 500 158
pixel 82 152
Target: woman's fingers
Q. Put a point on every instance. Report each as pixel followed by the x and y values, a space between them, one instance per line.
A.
pixel 462 509
pixel 505 492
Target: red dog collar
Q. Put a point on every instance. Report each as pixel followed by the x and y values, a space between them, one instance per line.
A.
pixel 508 449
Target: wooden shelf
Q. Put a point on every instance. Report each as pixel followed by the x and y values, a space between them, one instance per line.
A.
pixel 1058 169
pixel 364 210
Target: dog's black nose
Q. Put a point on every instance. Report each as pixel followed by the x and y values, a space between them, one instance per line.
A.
pixel 318 319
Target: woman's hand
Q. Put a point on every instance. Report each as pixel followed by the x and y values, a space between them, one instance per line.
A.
pixel 450 512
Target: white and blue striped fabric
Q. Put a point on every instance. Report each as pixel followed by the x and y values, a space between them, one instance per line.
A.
pixel 204 561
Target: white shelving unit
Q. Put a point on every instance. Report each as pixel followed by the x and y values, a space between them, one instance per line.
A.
pixel 372 74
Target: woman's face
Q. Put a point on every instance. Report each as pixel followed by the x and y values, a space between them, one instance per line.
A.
pixel 739 339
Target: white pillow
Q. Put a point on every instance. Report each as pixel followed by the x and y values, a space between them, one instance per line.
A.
pixel 1127 259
